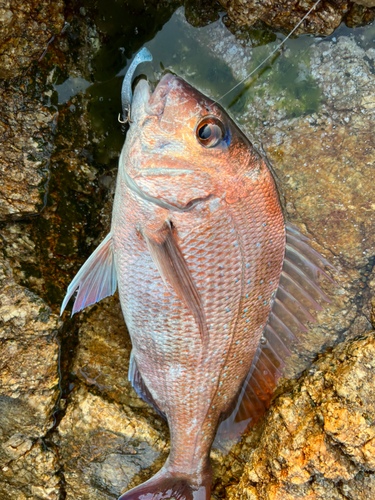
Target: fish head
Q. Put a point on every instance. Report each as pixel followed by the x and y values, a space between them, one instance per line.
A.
pixel 183 147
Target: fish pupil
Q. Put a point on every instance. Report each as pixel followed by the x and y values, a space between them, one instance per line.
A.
pixel 205 131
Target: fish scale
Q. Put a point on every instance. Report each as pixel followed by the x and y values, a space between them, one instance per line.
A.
pixel 230 269
pixel 197 247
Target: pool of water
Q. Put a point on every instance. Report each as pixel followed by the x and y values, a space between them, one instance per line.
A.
pixel 211 58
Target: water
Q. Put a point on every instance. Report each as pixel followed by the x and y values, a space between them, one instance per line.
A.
pixel 209 57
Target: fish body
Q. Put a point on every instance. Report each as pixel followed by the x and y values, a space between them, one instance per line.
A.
pixel 232 239
pixel 212 282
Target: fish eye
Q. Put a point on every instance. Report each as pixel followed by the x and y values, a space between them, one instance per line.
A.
pixel 210 132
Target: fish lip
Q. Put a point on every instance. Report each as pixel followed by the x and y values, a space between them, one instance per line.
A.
pixel 153 103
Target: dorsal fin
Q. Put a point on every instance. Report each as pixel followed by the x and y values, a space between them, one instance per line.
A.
pixel 171 264
pixel 297 293
pixel 95 280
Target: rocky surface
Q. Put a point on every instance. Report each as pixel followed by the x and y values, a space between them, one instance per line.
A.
pixel 324 19
pixel 105 448
pixel 317 441
pixel 99 439
pixel 26 28
pixel 26 135
pixel 29 391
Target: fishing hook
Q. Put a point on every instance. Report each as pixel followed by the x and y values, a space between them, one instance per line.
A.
pixel 128 119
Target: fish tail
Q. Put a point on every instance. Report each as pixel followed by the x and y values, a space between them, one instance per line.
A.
pixel 170 484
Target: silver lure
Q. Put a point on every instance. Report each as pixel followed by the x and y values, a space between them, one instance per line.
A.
pixel 126 90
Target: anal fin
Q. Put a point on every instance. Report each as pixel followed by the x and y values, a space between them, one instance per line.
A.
pixel 140 387
pixel 95 280
pixel 172 266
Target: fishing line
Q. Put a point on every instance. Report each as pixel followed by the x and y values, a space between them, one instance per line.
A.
pixel 271 54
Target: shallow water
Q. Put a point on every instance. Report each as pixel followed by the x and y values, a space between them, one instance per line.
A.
pixel 207 57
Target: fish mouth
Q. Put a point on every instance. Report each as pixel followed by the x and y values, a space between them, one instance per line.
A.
pixel 146 102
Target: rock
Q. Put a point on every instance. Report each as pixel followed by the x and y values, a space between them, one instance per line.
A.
pixel 323 20
pixel 26 28
pixel 366 3
pixel 29 390
pixel 320 145
pixel 106 448
pixel 317 440
pixel 32 474
pixel 360 14
pixel 102 355
pixel 26 127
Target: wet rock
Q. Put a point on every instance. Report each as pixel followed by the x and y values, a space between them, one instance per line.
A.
pixel 201 12
pixel 360 14
pixel 33 473
pixel 26 28
pixel 105 448
pixel 323 20
pixel 102 355
pixel 26 127
pixel 317 440
pixel 320 144
pixel 29 390
pixel 366 3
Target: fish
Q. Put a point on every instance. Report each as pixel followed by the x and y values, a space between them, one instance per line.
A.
pixel 214 285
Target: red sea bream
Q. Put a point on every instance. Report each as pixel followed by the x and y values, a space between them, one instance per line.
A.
pixel 214 287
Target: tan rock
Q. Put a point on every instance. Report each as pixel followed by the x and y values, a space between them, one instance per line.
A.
pixel 29 390
pixel 25 29
pixel 366 3
pixel 102 356
pixel 323 19
pixel 25 132
pixel 32 474
pixel 329 448
pixel 105 448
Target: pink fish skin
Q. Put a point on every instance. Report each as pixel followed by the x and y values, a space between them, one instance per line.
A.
pixel 199 242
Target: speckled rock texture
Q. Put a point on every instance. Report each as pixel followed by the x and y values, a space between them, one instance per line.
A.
pixel 323 20
pixel 317 441
pixel 26 124
pixel 103 341
pixel 25 30
pixel 366 3
pixel 106 448
pixel 26 137
pixel 29 391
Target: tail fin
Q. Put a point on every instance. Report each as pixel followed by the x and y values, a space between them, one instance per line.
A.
pixel 167 484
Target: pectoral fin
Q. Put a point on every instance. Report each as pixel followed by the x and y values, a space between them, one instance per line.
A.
pixel 174 270
pixel 95 280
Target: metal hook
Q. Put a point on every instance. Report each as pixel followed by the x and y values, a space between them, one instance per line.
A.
pixel 122 121
pixel 127 118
